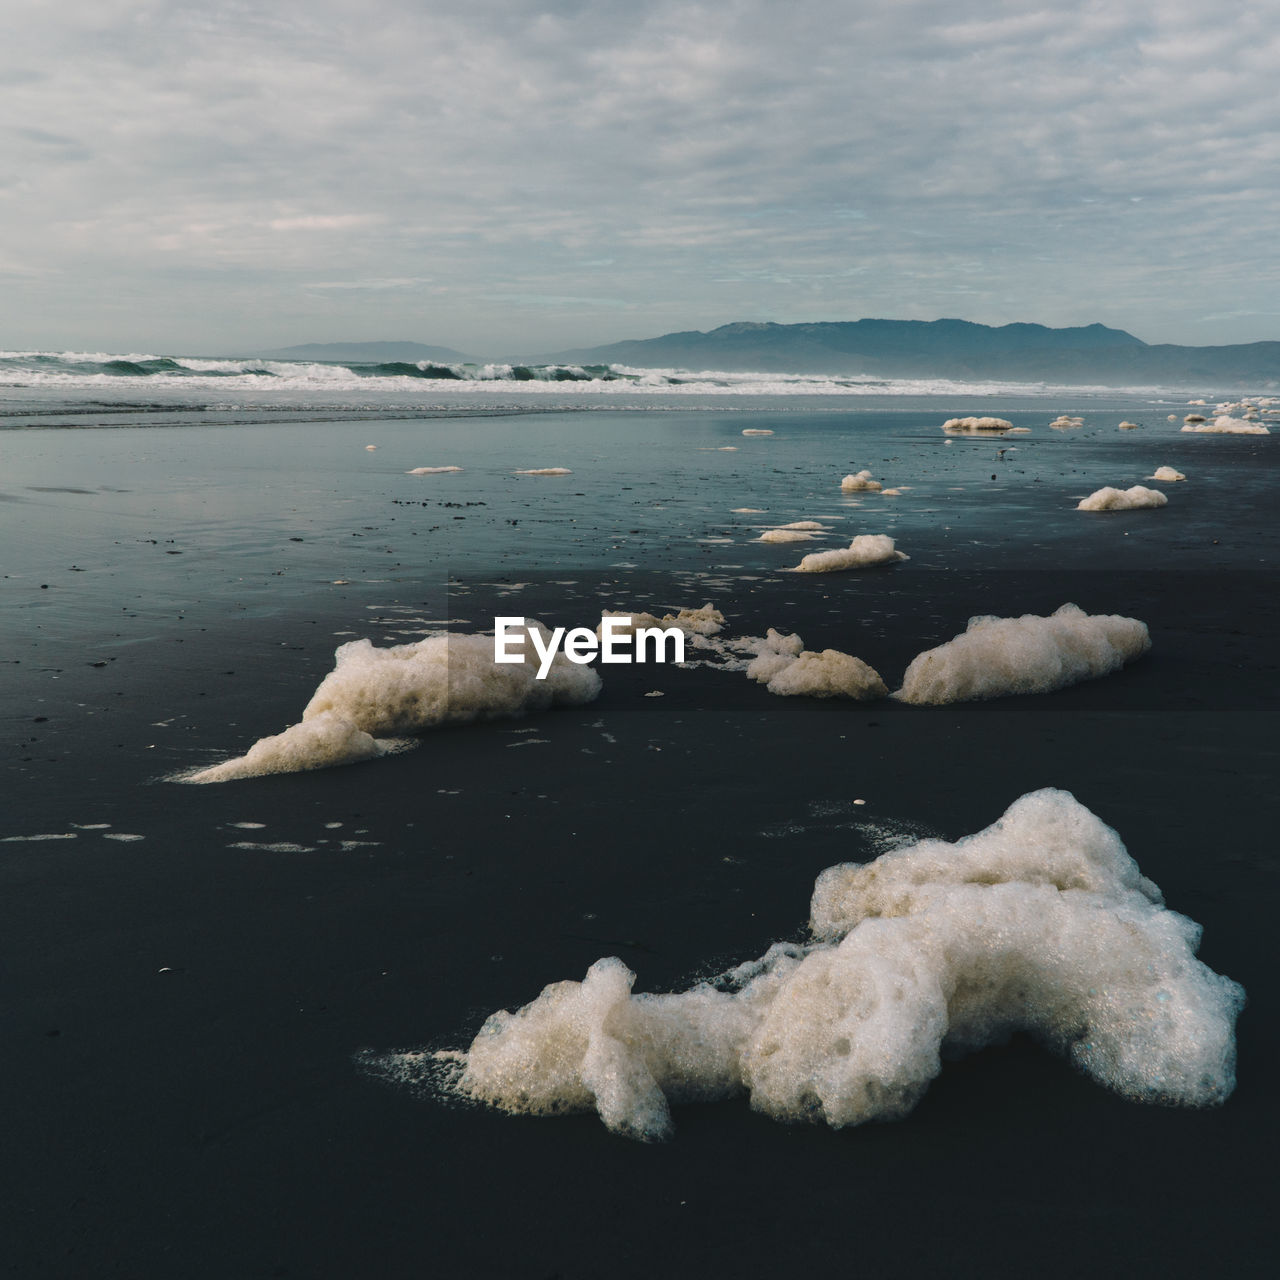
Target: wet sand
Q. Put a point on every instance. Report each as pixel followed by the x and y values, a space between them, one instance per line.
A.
pixel 182 1017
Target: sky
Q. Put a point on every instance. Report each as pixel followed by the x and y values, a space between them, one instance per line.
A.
pixel 512 178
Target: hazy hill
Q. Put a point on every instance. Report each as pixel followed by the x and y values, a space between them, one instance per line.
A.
pixel 367 352
pixel 943 348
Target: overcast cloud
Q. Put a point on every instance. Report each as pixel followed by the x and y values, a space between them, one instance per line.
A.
pixel 519 177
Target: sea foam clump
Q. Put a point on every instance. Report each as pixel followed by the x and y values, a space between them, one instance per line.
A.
pixel 977 424
pixel 1225 425
pixel 999 657
pixel 706 621
pixel 373 694
pixel 431 471
pixel 1133 499
pixel 787 668
pixel 796 531
pixel 1166 473
pixel 1041 923
pixel 785 535
pixel 546 471
pixel 860 483
pixel 865 550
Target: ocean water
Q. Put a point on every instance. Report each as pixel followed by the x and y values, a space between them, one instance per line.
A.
pixel 186 544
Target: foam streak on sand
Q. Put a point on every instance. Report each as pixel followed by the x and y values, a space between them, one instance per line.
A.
pixel 372 696
pixel 995 657
pixel 1042 923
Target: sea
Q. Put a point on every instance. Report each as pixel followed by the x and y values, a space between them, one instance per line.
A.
pixel 243 1018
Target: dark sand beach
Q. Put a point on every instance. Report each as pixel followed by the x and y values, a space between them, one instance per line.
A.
pixel 186 1015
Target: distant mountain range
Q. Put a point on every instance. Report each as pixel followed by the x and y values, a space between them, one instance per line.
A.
pixel 945 349
pixel 367 352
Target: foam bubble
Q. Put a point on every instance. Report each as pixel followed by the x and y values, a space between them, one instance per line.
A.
pixel 757 431
pixel 1065 423
pixel 865 550
pixel 546 471
pixel 431 471
pixel 1128 426
pixel 1166 473
pixel 1133 499
pixel 1041 923
pixel 997 657
pixel 860 483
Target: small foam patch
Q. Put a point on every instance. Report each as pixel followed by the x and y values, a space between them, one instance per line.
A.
pixel 786 668
pixel 1134 499
pixel 977 424
pixel 866 550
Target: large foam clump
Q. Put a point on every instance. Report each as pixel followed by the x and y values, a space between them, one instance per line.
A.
pixel 977 424
pixel 865 550
pixel 1065 422
pixel 376 694
pixel 787 668
pixel 1040 923
pixel 861 482
pixel 997 657
pixel 1133 499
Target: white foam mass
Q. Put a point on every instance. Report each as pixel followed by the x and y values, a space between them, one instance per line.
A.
pixel 1132 499
pixel 998 657
pixel 977 424
pixel 1166 473
pixel 865 550
pixel 1040 923
pixel 1225 425
pixel 787 668
pixel 860 483
pixel 373 694
pixel 546 471
pixel 706 621
pixel 757 431
pixel 431 471
pixel 1063 422
pixel 785 535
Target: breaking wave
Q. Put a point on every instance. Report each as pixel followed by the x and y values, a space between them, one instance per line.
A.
pixel 81 370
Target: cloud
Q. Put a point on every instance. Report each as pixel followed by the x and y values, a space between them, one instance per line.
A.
pixel 1090 162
